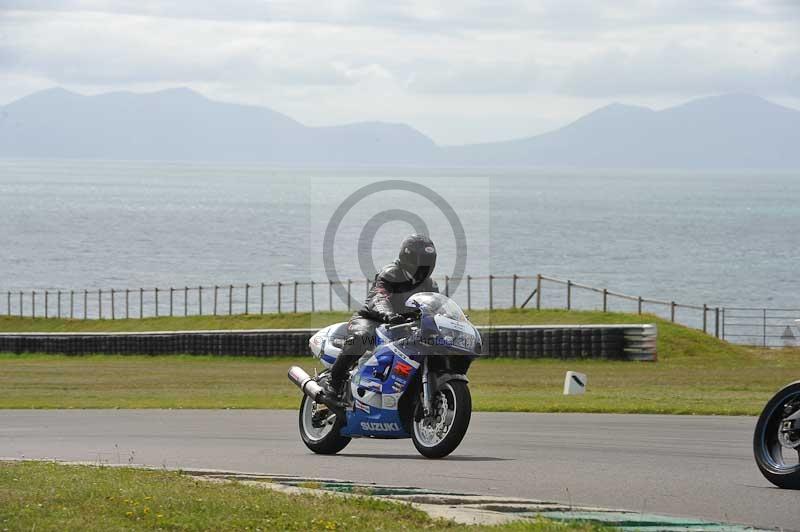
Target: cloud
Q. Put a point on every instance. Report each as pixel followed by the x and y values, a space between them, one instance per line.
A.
pixel 476 77
pixel 555 15
pixel 100 48
pixel 686 68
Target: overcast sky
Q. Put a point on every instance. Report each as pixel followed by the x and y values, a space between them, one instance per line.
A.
pixel 459 71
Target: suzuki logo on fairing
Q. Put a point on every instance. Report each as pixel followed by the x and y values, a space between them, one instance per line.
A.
pixel 379 427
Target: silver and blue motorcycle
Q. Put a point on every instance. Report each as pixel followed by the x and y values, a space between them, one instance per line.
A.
pixel 776 441
pixel 412 384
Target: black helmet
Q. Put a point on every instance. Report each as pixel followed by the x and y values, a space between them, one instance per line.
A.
pixel 417 257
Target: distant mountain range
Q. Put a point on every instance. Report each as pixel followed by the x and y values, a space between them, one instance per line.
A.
pixel 720 132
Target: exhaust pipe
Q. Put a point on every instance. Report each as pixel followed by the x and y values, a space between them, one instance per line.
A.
pixel 311 388
pixel 304 381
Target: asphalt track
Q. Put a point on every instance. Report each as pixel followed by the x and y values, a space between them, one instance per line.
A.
pixel 698 467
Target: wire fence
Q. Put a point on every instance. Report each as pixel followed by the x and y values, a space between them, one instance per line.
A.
pixel 492 291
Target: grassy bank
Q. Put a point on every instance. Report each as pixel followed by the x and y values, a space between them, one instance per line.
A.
pixel 695 374
pixel 48 496
pixel 188 323
pixel 305 320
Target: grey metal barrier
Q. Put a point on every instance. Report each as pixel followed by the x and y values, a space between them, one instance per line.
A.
pixel 767 327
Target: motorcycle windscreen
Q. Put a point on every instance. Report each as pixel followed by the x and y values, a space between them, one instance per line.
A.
pixel 437 305
pixel 459 335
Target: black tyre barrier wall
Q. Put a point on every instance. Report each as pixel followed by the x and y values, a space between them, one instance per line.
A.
pixel 614 342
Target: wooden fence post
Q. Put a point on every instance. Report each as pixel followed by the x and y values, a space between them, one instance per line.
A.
pixel 569 294
pixel 605 299
pixel 705 318
pixel 514 291
pixel 469 292
pixel 491 295
pixel 672 311
pixel 640 305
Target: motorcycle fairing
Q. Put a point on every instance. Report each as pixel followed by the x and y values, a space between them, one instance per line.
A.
pixel 377 423
pixel 322 343
pixel 377 386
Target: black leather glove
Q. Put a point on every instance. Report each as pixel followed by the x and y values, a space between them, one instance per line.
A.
pixel 412 314
pixel 395 319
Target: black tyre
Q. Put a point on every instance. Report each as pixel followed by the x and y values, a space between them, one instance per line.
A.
pixel 438 435
pixel 779 463
pixel 319 431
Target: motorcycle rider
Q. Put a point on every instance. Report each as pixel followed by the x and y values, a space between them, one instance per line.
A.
pixel 385 303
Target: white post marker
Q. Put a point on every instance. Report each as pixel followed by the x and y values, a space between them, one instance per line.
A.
pixel 574 383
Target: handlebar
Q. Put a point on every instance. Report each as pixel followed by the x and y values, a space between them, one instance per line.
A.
pixel 402 325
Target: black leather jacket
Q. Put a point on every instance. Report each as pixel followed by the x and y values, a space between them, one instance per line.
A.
pixel 389 292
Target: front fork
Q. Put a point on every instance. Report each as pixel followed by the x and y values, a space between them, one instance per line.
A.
pixel 427 391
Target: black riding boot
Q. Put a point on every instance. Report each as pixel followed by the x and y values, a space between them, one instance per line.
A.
pixel 361 336
pixel 344 362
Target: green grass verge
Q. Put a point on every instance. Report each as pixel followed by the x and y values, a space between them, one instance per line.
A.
pixel 189 323
pixel 695 374
pixel 307 320
pixel 49 496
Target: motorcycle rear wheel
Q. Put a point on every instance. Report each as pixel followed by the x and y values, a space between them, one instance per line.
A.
pixel 438 435
pixel 321 440
pixel 768 451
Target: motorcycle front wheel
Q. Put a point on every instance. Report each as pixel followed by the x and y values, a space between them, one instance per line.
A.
pixel 320 428
pixel 777 452
pixel 439 433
